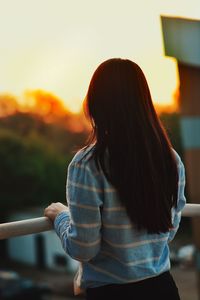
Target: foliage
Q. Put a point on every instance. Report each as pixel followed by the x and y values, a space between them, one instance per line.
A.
pixel 32 173
pixel 37 140
pixel 35 149
pixel 59 136
pixel 8 105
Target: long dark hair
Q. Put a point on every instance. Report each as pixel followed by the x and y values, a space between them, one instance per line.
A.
pixel 141 164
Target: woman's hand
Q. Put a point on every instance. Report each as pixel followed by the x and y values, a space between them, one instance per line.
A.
pixel 54 209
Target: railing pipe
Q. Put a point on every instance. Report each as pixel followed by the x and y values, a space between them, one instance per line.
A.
pixel 191 210
pixel 37 225
pixel 24 227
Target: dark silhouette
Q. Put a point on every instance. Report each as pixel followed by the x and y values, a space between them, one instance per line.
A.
pixel 124 122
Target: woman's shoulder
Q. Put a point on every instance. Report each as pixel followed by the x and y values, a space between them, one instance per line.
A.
pixel 83 155
pixel 179 161
pixel 84 160
pixel 177 156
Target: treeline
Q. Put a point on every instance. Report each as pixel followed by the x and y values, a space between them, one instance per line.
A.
pixel 36 147
pixel 35 150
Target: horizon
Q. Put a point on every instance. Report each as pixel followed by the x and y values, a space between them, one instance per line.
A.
pixel 46 104
pixel 60 55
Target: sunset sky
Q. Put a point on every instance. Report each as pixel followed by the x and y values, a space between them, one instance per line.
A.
pixel 55 45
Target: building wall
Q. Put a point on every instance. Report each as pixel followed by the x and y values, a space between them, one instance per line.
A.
pixel 189 89
pixel 190 129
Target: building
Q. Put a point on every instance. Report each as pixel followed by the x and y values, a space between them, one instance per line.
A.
pixel 182 41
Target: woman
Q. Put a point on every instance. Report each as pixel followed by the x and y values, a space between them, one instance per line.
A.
pixel 125 192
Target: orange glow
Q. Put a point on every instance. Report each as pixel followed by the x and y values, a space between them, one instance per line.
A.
pixel 45 104
pixel 8 105
pixel 52 109
pixel 61 56
pixel 168 108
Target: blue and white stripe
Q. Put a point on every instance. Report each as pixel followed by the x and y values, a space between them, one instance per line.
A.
pixel 97 231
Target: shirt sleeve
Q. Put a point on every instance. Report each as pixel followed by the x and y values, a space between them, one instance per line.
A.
pixel 80 229
pixel 176 212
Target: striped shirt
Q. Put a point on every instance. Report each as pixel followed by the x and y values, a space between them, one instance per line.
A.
pixel 97 231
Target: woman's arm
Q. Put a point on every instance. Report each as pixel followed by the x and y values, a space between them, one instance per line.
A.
pixel 79 228
pixel 176 213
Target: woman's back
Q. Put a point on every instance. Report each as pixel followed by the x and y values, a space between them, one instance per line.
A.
pixel 103 237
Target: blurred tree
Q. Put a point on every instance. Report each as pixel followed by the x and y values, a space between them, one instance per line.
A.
pixel 52 110
pixel 32 173
pixel 35 149
pixel 45 104
pixel 60 137
pixel 8 105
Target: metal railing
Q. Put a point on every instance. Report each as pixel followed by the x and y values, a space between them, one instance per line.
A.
pixel 36 225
